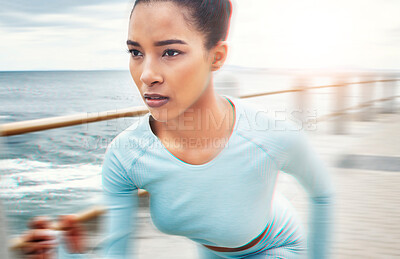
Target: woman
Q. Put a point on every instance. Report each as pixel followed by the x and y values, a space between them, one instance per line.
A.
pixel 209 162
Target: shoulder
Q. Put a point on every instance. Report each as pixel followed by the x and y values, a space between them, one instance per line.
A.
pixel 121 156
pixel 130 143
pixel 275 133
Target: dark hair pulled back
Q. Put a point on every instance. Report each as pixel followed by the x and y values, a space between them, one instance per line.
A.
pixel 211 17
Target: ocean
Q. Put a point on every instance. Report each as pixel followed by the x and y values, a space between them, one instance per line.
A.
pixel 57 171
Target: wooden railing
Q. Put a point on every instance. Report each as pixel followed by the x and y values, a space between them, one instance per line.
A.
pixel 16 128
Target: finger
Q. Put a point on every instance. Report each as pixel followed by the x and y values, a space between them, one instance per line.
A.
pixel 37 238
pixel 40 222
pixel 73 233
pixel 68 221
pixel 75 240
pixel 38 235
pixel 39 247
pixel 42 255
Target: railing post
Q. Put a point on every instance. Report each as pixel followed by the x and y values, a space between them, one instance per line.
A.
pixel 389 91
pixel 339 121
pixel 301 100
pixel 366 110
pixel 396 92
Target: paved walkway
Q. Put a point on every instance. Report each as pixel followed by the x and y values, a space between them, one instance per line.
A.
pixel 368 194
pixel 367 215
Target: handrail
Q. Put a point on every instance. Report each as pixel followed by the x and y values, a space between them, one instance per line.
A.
pixel 316 87
pixel 22 127
pixel 17 128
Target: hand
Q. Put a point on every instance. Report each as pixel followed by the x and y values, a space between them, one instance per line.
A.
pixel 39 242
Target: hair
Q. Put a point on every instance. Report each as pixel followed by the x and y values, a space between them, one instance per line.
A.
pixel 211 17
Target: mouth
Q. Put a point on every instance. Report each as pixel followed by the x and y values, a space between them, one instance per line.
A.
pixel 155 100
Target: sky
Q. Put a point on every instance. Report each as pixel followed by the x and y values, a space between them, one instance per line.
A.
pixel 91 34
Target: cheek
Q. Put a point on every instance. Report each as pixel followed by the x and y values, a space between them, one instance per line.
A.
pixel 191 75
pixel 134 69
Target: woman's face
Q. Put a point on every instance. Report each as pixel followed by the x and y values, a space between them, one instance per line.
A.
pixel 169 63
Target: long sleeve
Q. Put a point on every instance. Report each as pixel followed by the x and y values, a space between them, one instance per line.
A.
pixel 303 163
pixel 121 200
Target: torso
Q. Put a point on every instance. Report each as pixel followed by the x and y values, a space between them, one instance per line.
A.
pixel 226 201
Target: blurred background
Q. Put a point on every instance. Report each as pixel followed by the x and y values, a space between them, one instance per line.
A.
pixel 332 66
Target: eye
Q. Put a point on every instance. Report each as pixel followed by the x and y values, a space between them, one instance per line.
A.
pixel 171 53
pixel 135 53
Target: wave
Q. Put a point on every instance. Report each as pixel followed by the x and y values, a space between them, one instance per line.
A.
pixel 22 164
pixel 21 177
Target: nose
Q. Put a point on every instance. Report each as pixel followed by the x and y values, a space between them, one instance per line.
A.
pixel 151 74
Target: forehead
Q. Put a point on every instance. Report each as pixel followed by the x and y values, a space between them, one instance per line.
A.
pixel 161 21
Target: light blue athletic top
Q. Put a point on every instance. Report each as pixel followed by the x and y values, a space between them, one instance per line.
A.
pixel 227 201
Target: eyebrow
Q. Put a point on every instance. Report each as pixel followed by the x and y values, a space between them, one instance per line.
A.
pixel 158 43
pixel 133 43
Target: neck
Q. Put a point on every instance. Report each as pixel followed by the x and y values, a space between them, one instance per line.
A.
pixel 209 118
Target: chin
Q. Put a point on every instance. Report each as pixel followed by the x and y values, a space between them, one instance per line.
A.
pixel 166 114
pixel 159 115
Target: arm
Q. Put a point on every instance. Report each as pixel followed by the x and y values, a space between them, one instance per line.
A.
pixel 302 162
pixel 121 199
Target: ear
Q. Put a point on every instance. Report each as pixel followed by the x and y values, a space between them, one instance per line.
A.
pixel 220 52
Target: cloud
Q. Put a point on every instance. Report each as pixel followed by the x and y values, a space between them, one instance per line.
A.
pixel 24 15
pixel 71 36
pixel 91 34
pixel 50 7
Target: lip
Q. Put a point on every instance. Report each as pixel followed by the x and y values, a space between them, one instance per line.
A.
pixel 155 102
